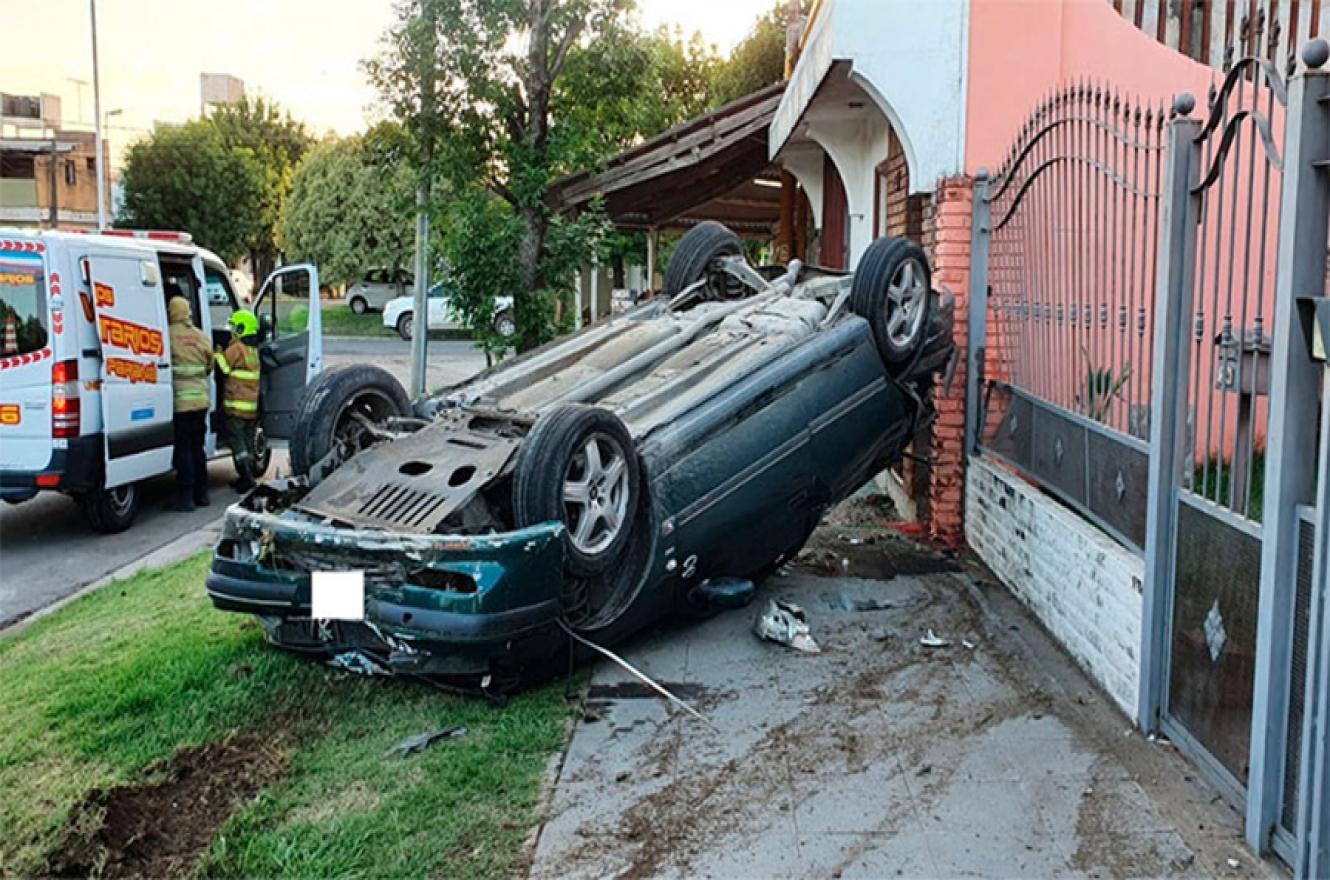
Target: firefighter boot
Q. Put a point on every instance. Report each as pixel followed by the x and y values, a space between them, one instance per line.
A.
pixel 183 501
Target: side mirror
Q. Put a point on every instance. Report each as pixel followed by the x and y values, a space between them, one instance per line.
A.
pixel 265 327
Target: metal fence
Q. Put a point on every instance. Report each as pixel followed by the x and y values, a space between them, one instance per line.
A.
pixel 1135 286
pixel 1074 214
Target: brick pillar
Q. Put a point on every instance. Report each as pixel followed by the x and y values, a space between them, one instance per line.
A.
pixel 946 235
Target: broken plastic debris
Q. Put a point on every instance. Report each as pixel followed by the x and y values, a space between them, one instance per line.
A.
pixel 969 645
pixel 785 624
pixel 1233 863
pixel 422 741
pixel 932 641
pixel 359 663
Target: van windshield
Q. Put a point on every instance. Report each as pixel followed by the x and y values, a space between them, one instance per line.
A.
pixel 22 303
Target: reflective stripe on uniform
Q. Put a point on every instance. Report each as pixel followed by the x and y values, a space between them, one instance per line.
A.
pixel 190 370
pixel 245 375
pixel 242 405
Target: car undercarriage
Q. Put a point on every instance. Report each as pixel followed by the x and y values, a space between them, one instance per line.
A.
pixel 596 484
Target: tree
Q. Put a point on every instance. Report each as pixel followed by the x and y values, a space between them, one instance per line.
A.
pixel 186 177
pixel 277 142
pixel 759 59
pixel 350 207
pixel 474 83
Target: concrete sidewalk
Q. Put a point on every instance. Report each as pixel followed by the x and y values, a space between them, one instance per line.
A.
pixel 878 757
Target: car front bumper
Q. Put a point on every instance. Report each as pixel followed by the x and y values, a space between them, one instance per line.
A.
pixel 434 604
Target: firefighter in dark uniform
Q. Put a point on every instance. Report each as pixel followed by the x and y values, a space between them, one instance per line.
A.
pixel 191 363
pixel 239 366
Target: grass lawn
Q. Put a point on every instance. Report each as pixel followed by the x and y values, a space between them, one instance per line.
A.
pixel 338 320
pixel 102 694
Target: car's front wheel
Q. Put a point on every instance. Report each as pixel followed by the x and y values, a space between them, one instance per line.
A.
pixel 579 466
pixel 110 511
pixel 358 305
pixel 335 408
pixel 891 291
pixel 262 452
pixel 406 326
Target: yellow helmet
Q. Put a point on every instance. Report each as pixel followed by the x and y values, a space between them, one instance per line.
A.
pixel 244 323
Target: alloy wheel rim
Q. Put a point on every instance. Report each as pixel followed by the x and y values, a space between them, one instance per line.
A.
pixel 121 498
pixel 595 493
pixel 906 295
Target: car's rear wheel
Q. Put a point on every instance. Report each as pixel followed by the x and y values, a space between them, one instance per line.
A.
pixel 406 326
pixel 110 511
pixel 358 305
pixel 697 250
pixel 505 324
pixel 891 291
pixel 579 466
pixel 335 408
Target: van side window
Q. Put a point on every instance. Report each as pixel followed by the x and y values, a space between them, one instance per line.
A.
pixel 221 298
pixel 22 303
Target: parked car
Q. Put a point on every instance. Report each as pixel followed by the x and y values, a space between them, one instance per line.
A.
pixel 374 291
pixel 399 313
pixel 600 482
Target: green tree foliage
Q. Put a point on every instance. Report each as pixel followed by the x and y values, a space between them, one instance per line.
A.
pixel 186 177
pixel 350 207
pixel 277 142
pixel 476 84
pixel 757 61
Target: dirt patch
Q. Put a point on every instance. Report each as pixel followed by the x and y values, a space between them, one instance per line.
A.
pixel 160 826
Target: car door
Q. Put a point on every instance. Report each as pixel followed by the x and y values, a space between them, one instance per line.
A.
pixel 440 309
pixel 291 354
pixel 137 400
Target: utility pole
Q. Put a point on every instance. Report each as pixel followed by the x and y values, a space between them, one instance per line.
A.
pixel 97 120
pixel 420 307
pixel 54 178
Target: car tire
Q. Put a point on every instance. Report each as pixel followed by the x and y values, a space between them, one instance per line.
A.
pixel 358 305
pixel 556 479
pixel 891 290
pixel 262 453
pixel 701 245
pixel 505 324
pixel 324 413
pixel 406 326
pixel 110 511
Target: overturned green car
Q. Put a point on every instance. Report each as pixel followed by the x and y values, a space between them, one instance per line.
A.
pixel 599 483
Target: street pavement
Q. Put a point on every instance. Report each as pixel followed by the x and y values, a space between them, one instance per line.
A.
pixel 47 550
pixel 984 754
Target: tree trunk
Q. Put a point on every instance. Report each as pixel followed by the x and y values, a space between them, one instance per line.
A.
pixel 535 224
pixel 616 267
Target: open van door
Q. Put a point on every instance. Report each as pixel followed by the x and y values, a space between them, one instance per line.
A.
pixel 137 400
pixel 291 354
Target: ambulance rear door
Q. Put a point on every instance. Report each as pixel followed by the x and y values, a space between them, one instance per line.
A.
pixel 136 361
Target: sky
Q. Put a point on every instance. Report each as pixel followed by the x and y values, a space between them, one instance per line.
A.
pixel 303 53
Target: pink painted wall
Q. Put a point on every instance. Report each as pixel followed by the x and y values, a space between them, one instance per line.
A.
pixel 1021 49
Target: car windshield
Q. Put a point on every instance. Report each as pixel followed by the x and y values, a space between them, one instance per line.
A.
pixel 22 303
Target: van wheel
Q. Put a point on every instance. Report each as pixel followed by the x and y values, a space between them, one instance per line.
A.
pixel 111 510
pixel 579 466
pixel 262 453
pixel 358 306
pixel 330 411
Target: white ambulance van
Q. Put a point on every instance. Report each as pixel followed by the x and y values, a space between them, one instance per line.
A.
pixel 85 359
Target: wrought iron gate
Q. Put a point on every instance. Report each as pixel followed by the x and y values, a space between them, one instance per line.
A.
pixel 1134 286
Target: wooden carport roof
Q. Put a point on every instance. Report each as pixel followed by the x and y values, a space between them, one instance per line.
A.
pixel 703 169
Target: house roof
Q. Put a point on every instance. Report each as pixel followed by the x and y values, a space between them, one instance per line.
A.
pixel 703 169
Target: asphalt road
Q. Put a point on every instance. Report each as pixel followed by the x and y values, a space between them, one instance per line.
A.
pixel 47 550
